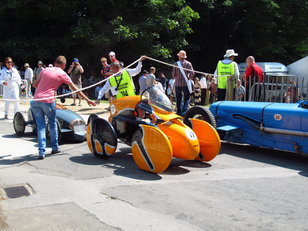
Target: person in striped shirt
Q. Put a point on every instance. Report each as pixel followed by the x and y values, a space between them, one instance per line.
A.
pixel 182 74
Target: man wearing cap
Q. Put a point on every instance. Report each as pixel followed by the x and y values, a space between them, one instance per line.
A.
pixel 183 88
pixel 36 73
pixel 226 76
pixel 75 71
pixel 112 57
pixel 44 104
pixel 121 84
pixel 28 78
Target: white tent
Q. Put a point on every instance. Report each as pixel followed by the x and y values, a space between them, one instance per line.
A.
pixel 300 69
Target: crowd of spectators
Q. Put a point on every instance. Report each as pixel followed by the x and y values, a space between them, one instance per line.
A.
pixel 206 89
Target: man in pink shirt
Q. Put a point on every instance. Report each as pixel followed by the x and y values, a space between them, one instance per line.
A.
pixel 44 103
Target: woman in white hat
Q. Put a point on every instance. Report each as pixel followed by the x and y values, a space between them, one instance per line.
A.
pixel 227 69
pixel 10 79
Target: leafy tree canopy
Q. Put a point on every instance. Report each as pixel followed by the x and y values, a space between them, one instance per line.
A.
pixel 271 30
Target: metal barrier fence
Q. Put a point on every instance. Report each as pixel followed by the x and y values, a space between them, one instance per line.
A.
pixel 277 88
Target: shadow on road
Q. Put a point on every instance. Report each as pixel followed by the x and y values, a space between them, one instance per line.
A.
pixel 18 160
pixel 270 156
pixel 123 164
pixel 25 135
pixel 176 166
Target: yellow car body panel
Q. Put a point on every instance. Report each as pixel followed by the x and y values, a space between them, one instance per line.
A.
pixel 185 144
pixel 208 139
pixel 153 152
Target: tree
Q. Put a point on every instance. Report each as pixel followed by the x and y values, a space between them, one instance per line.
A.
pixel 89 29
pixel 268 29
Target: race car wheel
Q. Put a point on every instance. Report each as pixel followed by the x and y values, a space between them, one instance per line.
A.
pixel 19 124
pixel 101 138
pixel 151 149
pixel 91 118
pixel 201 113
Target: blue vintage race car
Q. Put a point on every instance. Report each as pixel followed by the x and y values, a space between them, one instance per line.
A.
pixel 281 126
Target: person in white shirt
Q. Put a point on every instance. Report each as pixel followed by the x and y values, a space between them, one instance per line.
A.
pixel 11 80
pixel 116 68
pixel 223 73
pixel 28 78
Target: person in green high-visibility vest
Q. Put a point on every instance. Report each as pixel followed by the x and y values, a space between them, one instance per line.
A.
pixel 226 76
pixel 122 83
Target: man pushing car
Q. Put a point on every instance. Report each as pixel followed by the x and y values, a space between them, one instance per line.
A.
pixel 44 103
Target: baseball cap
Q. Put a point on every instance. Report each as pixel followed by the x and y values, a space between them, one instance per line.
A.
pixel 111 53
pixel 75 60
pixel 26 65
pixel 40 62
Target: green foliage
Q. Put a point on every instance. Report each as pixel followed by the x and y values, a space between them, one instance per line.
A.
pixel 271 30
pixel 89 29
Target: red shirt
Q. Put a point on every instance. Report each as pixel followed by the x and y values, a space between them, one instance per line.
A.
pixel 114 60
pixel 254 70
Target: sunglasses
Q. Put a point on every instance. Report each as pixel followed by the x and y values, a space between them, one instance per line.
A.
pixel 9 62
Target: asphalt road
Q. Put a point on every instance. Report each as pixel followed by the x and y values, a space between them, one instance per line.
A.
pixel 243 188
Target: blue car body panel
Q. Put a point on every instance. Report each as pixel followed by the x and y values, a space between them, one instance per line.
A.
pixel 272 125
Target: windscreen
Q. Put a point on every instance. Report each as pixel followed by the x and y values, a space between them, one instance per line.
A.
pixel 157 98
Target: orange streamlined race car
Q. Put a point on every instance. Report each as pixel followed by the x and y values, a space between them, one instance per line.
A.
pixel 156 134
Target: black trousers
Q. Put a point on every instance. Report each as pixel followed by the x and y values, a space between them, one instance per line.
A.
pixel 203 96
pixel 221 94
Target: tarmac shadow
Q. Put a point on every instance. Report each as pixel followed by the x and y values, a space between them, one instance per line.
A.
pixel 18 160
pixel 87 159
pixel 175 170
pixel 121 163
pixel 176 166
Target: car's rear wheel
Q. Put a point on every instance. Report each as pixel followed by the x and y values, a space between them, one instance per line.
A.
pixel 19 124
pixel 201 113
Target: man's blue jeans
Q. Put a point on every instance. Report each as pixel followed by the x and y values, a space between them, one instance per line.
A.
pixel 182 107
pixel 39 111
